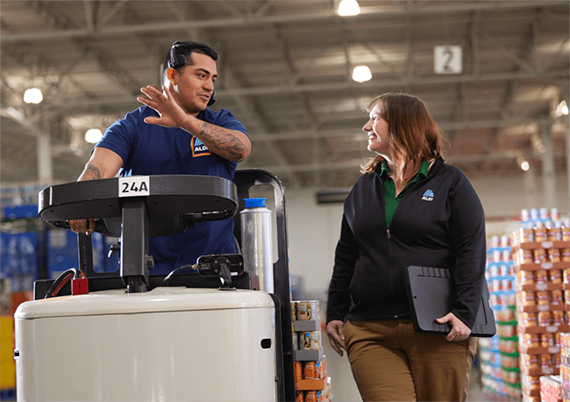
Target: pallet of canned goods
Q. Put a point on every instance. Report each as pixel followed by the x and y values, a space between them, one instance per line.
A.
pixel 307 338
pixel 306 310
pixel 311 381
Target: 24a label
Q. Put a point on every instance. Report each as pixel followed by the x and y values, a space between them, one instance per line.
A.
pixel 135 186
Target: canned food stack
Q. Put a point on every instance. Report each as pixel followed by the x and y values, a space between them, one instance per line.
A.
pixel 311 381
pixel 498 356
pixel 531 218
pixel 565 365
pixel 550 389
pixel 542 268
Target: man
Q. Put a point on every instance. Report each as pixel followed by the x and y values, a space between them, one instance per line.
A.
pixel 175 133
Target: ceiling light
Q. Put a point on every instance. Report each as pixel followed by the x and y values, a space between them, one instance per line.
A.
pixel 93 135
pixel 347 8
pixel 562 109
pixel 361 74
pixel 525 165
pixel 33 95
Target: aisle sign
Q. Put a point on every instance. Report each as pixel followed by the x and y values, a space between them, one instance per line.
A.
pixel 135 186
pixel 448 59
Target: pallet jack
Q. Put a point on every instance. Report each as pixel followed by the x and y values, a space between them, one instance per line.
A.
pixel 211 335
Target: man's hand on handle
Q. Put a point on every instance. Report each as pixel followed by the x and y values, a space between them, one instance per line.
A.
pixel 86 226
pixel 103 164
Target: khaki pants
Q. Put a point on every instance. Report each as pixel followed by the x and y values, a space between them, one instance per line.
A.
pixel 392 362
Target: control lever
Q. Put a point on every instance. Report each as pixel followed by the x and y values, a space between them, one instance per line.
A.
pixel 222 266
pixel 216 266
pixel 114 248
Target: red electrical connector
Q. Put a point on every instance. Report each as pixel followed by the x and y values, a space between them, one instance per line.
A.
pixel 79 286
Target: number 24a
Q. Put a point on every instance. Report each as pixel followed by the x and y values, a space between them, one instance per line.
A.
pixel 133 187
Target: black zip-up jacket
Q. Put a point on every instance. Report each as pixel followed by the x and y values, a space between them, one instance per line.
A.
pixel 438 223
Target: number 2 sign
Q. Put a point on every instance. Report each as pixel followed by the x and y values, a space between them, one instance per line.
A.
pixel 447 59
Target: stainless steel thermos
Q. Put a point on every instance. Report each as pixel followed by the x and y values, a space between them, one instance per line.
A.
pixel 256 235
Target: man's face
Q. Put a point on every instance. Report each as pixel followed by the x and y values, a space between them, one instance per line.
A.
pixel 194 85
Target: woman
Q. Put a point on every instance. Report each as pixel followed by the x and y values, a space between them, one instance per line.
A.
pixel 408 208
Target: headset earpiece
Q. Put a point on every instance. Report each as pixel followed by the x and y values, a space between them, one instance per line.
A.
pixel 177 60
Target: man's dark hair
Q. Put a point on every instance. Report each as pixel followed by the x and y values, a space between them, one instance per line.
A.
pixel 180 55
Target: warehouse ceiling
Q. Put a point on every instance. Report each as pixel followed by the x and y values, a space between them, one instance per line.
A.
pixel 285 71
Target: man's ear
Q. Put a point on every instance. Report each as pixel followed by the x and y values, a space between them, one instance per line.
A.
pixel 172 75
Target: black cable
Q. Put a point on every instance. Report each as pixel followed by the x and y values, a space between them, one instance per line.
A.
pixel 63 276
pixel 238 248
pixel 169 276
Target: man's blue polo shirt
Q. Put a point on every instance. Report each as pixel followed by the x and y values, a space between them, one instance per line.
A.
pixel 148 149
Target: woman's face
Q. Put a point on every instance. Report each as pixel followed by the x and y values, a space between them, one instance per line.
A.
pixel 377 129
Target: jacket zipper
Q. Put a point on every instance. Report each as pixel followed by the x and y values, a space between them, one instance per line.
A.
pixel 389 237
pixel 391 267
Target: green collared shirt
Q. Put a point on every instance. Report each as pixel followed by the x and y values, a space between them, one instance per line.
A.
pixel 391 202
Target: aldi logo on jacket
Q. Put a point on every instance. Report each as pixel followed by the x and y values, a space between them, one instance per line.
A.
pixel 428 195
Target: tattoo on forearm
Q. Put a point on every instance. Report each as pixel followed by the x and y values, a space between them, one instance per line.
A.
pixel 91 172
pixel 229 144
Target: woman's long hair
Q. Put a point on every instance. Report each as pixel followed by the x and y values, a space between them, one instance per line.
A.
pixel 413 134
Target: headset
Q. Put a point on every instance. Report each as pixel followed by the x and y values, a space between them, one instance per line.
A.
pixel 178 59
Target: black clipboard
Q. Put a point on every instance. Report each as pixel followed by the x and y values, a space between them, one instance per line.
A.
pixel 430 295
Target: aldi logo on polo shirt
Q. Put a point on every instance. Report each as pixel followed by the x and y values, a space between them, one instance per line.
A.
pixel 428 195
pixel 198 148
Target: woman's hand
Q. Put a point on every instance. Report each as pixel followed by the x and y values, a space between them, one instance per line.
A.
pixel 335 331
pixel 459 331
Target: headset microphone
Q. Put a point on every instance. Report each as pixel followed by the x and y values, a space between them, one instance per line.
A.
pixel 212 98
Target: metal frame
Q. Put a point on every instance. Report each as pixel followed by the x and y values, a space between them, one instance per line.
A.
pixel 245 180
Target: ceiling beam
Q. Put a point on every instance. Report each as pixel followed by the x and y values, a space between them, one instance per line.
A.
pixel 392 82
pixel 19 118
pixel 263 136
pixel 342 85
pixel 445 126
pixel 107 64
pixel 357 162
pixel 378 12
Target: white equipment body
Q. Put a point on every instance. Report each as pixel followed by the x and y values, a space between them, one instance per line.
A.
pixel 168 344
